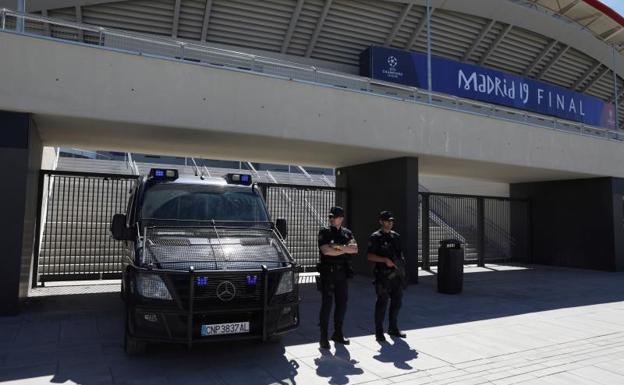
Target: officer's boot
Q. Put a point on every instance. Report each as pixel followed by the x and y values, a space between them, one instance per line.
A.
pixel 324 341
pixel 379 333
pixel 394 331
pixel 338 336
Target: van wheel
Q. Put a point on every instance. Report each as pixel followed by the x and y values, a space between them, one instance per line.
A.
pixel 132 346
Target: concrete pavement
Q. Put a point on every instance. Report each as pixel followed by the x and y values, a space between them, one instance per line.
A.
pixel 533 325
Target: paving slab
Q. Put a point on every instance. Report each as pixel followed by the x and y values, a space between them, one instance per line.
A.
pixel 511 325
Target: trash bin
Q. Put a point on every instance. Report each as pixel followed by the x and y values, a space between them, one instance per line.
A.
pixel 450 266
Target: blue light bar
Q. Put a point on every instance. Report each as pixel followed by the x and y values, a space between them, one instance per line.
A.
pixel 252 280
pixel 163 174
pixel 242 179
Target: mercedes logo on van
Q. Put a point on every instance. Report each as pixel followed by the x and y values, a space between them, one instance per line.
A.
pixel 392 61
pixel 226 291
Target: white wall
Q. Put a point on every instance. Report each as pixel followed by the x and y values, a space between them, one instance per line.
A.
pixel 48 157
pixel 455 185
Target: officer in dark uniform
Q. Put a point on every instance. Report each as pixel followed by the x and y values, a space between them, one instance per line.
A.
pixel 336 245
pixel 384 248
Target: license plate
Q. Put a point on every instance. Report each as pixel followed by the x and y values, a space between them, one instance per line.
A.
pixel 227 328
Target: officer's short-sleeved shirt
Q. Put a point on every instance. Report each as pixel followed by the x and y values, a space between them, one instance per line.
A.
pixel 385 245
pixel 333 236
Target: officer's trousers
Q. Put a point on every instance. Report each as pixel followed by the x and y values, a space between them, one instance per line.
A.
pixel 387 291
pixel 334 286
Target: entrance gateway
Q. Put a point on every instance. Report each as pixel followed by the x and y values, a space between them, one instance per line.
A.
pixel 75 210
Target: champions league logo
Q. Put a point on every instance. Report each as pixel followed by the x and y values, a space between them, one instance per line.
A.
pixel 391 72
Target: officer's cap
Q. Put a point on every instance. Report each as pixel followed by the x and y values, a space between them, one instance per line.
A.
pixel 386 216
pixel 336 211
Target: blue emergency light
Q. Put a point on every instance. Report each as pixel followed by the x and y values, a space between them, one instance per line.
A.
pixel 201 281
pixel 242 179
pixel 163 174
pixel 252 280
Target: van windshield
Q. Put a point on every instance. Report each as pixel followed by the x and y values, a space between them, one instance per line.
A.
pixel 202 203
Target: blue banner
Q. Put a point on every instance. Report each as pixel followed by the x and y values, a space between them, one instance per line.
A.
pixel 484 84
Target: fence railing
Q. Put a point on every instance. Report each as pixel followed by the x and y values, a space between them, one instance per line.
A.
pixel 75 209
pixel 491 228
pixel 188 52
pixel 74 218
pixel 302 207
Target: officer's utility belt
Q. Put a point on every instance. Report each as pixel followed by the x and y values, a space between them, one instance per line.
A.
pixel 330 267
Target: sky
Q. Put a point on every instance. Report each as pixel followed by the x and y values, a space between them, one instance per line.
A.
pixel 616 5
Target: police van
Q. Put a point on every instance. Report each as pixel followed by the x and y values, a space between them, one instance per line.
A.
pixel 204 262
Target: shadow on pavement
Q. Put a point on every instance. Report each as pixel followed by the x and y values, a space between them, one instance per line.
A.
pixel 338 366
pixel 397 352
pixel 79 338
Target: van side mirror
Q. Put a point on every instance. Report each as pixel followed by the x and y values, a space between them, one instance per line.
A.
pixel 118 228
pixel 282 227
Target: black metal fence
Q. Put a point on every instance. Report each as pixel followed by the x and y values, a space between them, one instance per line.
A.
pixel 305 208
pixel 74 242
pixel 491 229
pixel 73 239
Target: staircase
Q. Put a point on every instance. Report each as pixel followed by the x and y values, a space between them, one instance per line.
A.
pixel 305 212
pixel 76 243
pixel 438 231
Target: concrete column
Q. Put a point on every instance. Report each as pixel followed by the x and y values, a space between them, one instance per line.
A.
pixel 576 223
pixel 385 185
pixel 20 161
pixel 617 198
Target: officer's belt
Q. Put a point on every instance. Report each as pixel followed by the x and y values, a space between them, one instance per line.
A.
pixel 332 265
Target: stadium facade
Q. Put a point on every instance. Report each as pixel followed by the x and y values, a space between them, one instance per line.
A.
pixel 523 94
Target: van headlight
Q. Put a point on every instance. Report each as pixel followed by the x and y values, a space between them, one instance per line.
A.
pixel 286 283
pixel 152 286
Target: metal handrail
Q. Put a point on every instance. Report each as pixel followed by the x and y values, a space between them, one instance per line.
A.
pixel 205 169
pixel 57 155
pixel 231 60
pixel 312 210
pixel 303 170
pixel 195 167
pixel 131 164
pixel 327 181
pixel 488 222
pixel 433 216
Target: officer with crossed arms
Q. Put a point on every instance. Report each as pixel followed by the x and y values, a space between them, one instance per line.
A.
pixel 336 246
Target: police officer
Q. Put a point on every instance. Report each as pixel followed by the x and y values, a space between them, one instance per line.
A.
pixel 384 249
pixel 336 245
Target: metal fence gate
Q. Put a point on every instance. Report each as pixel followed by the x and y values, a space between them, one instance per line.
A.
pixel 491 229
pixel 305 208
pixel 73 241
